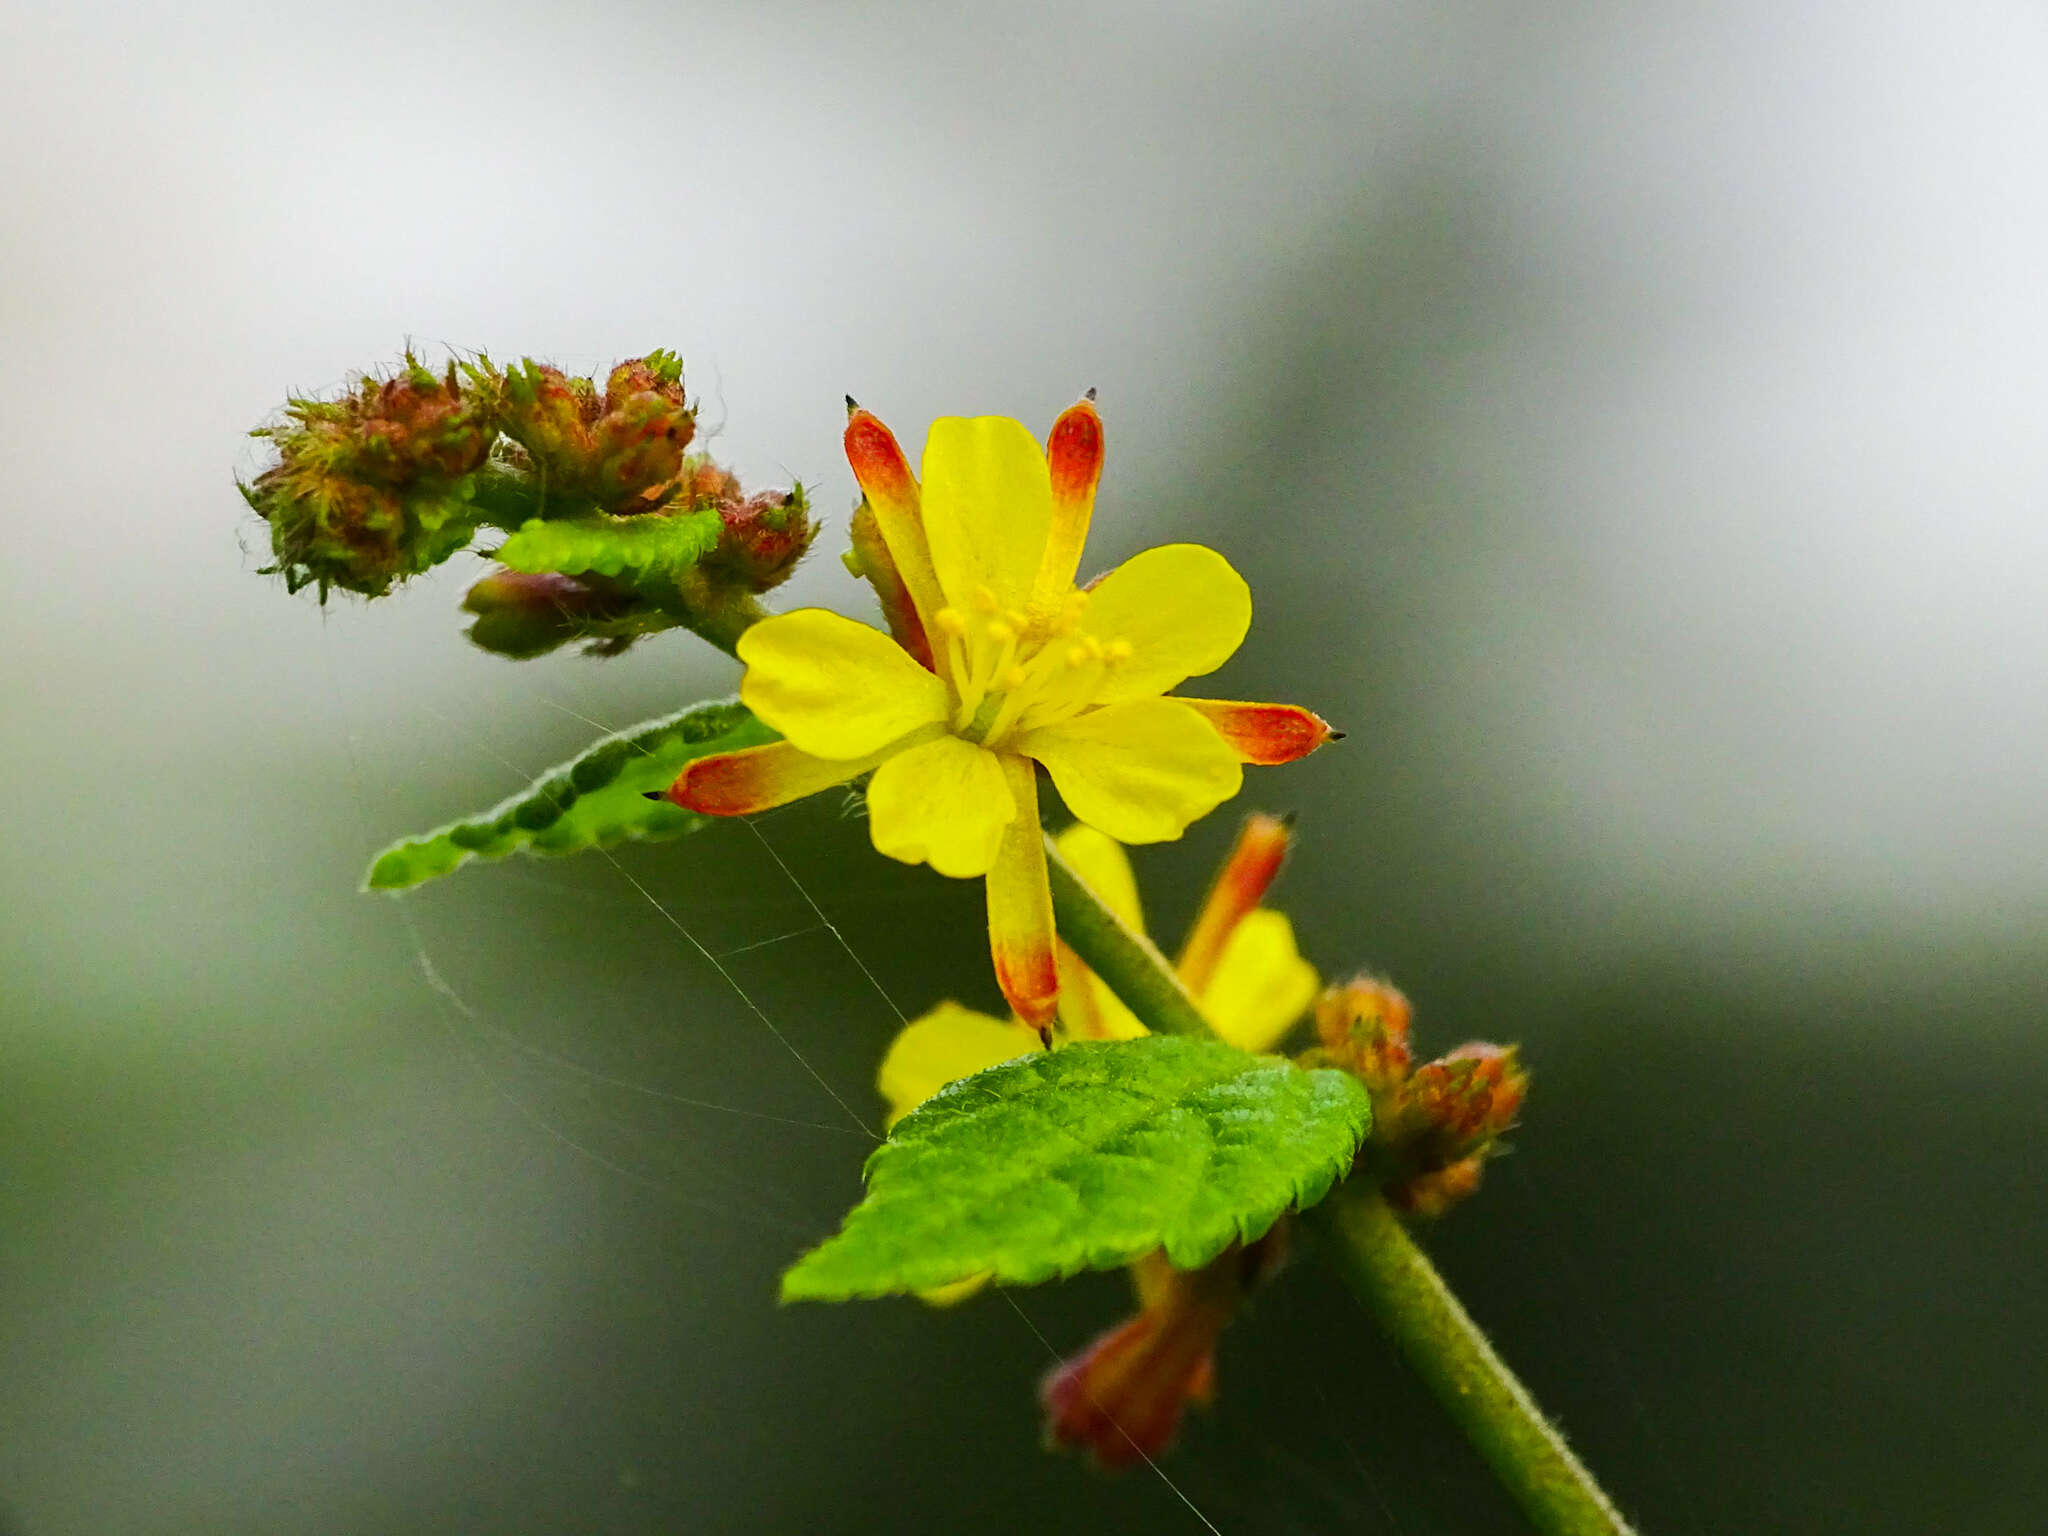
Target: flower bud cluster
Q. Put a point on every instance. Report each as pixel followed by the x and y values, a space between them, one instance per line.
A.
pixel 376 486
pixel 621 449
pixel 1434 1125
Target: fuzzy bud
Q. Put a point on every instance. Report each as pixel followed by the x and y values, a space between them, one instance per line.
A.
pixel 522 614
pixel 621 449
pixel 763 536
pixel 1363 1024
pixel 1463 1100
pixel 374 487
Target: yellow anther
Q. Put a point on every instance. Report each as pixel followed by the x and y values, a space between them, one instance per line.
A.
pixel 985 599
pixel 1077 656
pixel 1117 650
pixel 1017 620
pixel 950 621
pixel 1016 677
pixel 1000 632
pixel 1094 647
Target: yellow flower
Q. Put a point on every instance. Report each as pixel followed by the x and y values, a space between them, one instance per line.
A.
pixel 1240 962
pixel 995 663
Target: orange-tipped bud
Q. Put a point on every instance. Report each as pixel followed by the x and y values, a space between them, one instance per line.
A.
pixel 1249 871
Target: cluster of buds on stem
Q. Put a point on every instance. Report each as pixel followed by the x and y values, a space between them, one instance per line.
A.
pixel 375 486
pixel 400 473
pixel 1434 1125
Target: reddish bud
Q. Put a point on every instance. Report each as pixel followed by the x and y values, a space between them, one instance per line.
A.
pixel 621 449
pixel 373 487
pixel 522 614
pixel 1363 1024
pixel 1456 1104
pixel 763 536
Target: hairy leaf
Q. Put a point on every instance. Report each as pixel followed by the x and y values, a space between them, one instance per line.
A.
pixel 1088 1157
pixel 593 801
pixel 654 543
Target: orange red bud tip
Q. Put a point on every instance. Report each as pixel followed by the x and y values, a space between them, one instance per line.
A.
pixel 1073 453
pixel 877 458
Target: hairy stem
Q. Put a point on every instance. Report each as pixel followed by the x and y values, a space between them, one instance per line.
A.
pixel 1388 1272
pixel 1417 1310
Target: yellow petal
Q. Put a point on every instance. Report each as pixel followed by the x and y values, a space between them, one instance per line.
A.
pixel 1261 985
pixel 1180 608
pixel 758 779
pixel 1073 460
pixel 892 500
pixel 943 1046
pixel 942 803
pixel 952 1295
pixel 1139 771
pixel 987 509
pixel 833 687
pixel 1020 931
pixel 1105 868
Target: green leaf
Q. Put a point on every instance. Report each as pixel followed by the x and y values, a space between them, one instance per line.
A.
pixel 1088 1157
pixel 654 543
pixel 593 801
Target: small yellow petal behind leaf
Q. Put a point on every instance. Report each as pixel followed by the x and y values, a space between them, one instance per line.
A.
pixel 1261 985
pixel 942 1046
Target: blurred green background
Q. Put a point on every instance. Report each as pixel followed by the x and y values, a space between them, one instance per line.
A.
pixel 1629 420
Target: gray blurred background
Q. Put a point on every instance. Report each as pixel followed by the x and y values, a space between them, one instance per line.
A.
pixel 1629 420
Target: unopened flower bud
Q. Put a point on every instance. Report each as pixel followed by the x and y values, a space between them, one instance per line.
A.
pixel 763 537
pixel 373 487
pixel 1460 1102
pixel 1363 1024
pixel 869 559
pixel 523 614
pixel 621 450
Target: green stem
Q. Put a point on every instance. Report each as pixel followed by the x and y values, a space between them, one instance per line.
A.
pixel 1128 961
pixel 1412 1304
pixel 1388 1272
pixel 723 625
